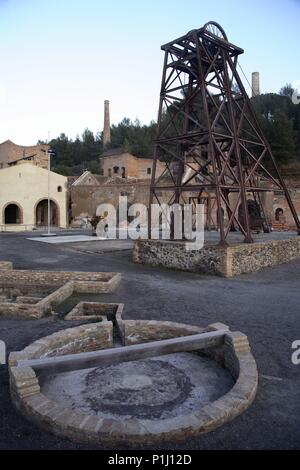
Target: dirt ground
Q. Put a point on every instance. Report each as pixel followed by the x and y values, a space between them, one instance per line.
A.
pixel 263 305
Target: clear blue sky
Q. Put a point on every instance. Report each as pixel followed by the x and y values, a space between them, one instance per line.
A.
pixel 61 58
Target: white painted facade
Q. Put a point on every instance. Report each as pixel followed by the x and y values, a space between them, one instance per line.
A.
pixel 23 197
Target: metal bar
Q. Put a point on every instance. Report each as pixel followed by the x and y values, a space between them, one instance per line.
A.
pixel 198 187
pixel 210 142
pixel 160 109
pixel 248 238
pixel 107 357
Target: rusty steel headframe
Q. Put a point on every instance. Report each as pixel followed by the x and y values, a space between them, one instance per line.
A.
pixel 208 134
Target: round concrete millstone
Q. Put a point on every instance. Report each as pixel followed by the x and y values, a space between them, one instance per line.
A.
pixel 141 388
pixel 156 388
pixel 163 398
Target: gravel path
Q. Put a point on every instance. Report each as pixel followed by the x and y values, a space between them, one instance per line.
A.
pixel 263 305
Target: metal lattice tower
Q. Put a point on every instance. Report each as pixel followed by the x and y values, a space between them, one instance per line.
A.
pixel 208 134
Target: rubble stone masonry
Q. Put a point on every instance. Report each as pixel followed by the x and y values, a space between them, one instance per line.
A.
pixel 212 259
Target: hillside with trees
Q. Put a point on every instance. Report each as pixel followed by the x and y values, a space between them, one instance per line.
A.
pixel 277 114
pixel 280 121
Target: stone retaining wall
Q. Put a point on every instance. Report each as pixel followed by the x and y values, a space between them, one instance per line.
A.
pixel 212 259
pixel 173 254
pixel 5 265
pixel 249 258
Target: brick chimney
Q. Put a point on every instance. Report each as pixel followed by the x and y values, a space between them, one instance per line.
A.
pixel 255 84
pixel 106 127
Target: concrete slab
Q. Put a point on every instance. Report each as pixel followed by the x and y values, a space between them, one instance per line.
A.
pixel 66 239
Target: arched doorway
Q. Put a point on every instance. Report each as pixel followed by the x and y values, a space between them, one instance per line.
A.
pixel 41 213
pixel 12 214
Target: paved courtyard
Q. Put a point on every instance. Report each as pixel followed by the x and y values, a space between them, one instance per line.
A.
pixel 263 305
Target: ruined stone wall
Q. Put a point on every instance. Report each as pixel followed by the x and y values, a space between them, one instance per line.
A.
pixel 279 201
pixel 55 278
pixel 10 152
pixel 134 167
pixel 143 331
pixel 56 297
pixel 89 337
pixel 212 259
pixel 122 160
pixel 208 260
pixel 86 199
pixel 61 284
pixel 5 265
pixel 74 340
pixel 17 310
pixel 145 168
pixel 249 258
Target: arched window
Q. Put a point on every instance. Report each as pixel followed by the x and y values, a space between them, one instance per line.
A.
pixel 116 170
pixel 123 172
pixel 59 189
pixel 109 172
pixel 278 213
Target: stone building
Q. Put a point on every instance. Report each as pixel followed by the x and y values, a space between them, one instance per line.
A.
pixel 24 198
pixel 124 174
pixel 13 154
pixel 117 162
pixel 276 202
pixel 89 191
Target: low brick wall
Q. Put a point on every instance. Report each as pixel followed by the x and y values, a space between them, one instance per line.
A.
pixel 95 286
pixel 23 380
pixel 96 311
pixel 60 284
pixel 21 299
pixel 69 341
pixel 234 354
pixel 55 278
pixel 56 297
pixel 22 311
pixel 212 259
pixel 143 331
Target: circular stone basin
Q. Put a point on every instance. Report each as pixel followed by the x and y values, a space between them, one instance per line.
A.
pixel 147 401
pixel 157 388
